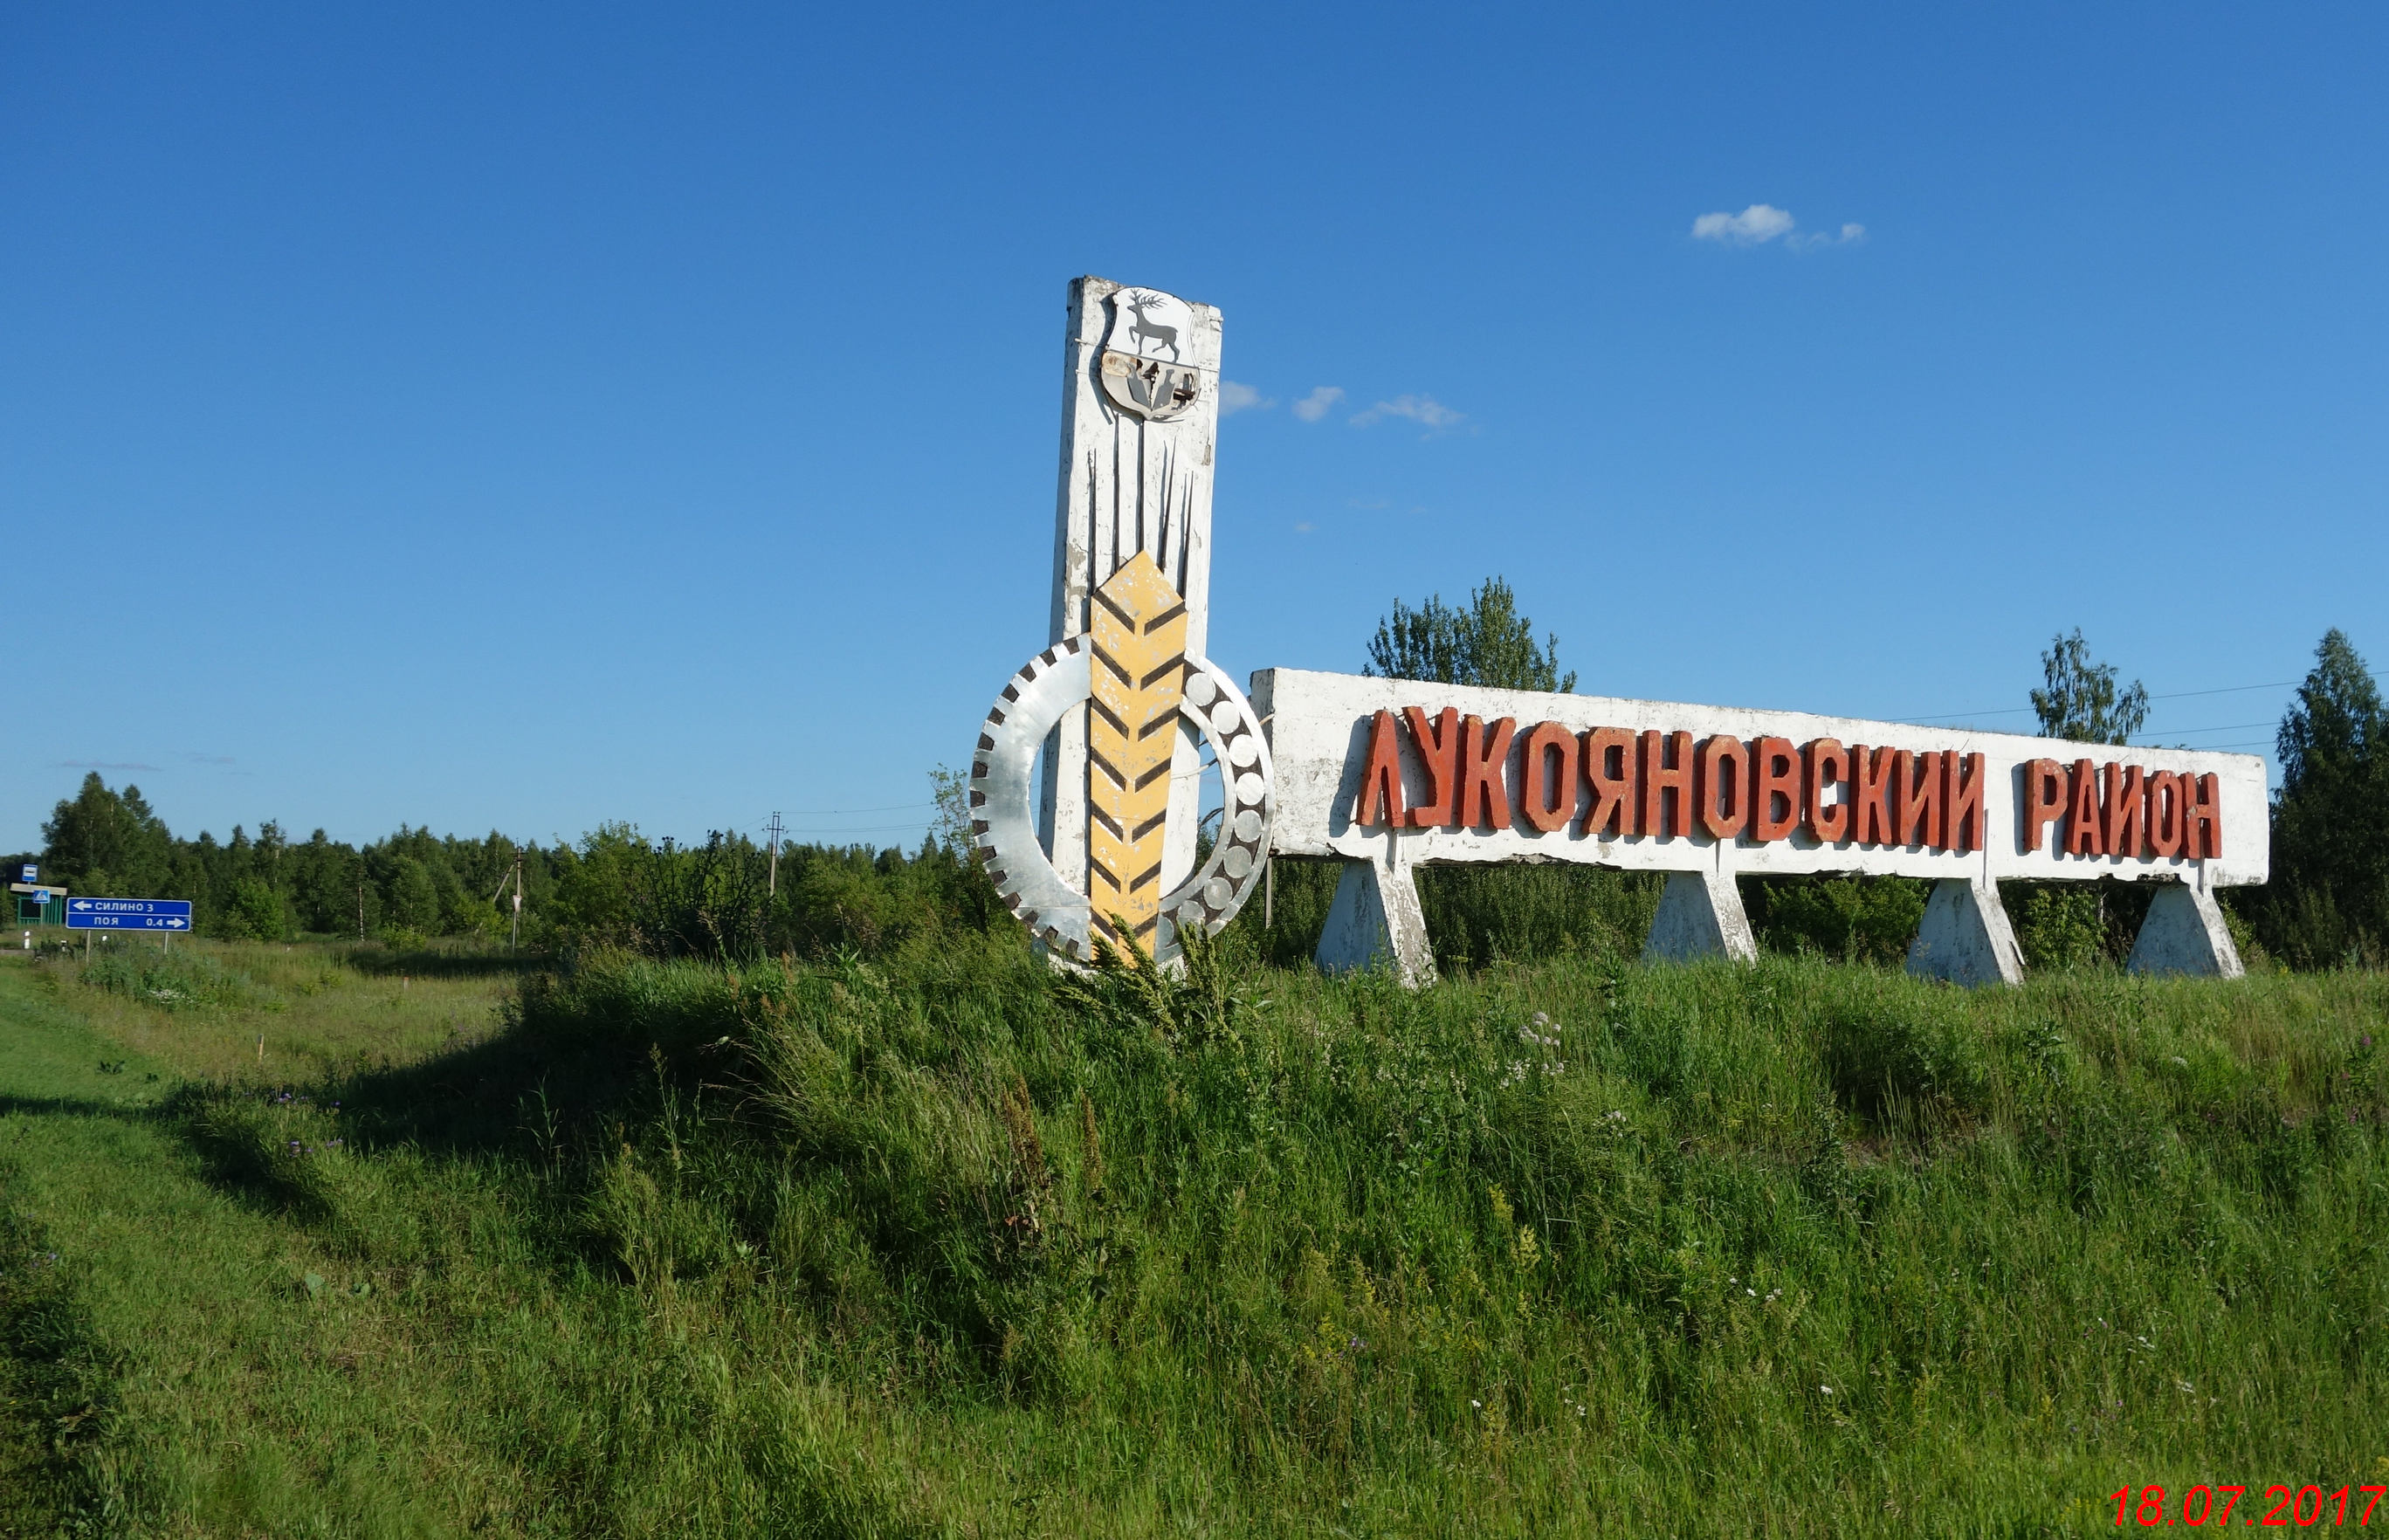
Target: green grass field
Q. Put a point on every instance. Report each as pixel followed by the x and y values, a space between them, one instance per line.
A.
pixel 311 1241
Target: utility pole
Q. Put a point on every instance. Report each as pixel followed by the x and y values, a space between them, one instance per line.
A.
pixel 775 831
pixel 514 876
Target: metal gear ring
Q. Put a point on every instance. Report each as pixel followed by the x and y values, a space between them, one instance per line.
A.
pixel 1003 826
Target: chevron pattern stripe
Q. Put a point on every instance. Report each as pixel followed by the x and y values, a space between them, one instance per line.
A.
pixel 1139 671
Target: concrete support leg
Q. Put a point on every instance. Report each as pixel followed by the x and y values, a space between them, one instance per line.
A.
pixel 1700 915
pixel 1965 937
pixel 1375 920
pixel 2185 933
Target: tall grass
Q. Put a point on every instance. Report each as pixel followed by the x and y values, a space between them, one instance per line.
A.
pixel 934 1244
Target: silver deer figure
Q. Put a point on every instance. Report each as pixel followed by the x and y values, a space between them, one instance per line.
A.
pixel 1145 329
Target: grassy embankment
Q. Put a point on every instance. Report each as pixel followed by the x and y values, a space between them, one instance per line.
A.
pixel 922 1246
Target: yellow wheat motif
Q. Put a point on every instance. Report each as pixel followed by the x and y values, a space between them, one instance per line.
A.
pixel 1138 669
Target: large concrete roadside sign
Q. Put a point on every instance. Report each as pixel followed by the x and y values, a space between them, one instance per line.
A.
pixel 1085 784
pixel 1086 780
pixel 1389 774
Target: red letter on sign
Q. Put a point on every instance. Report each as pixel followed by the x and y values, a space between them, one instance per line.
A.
pixel 1614 802
pixel 1917 780
pixel 1870 795
pixel 2165 814
pixel 1725 797
pixel 1659 778
pixel 1775 766
pixel 1550 798
pixel 1485 775
pixel 1961 801
pixel 1380 802
pixel 1829 764
pixel 2086 832
pixel 1439 750
pixel 2044 799
pixel 2127 809
pixel 2202 816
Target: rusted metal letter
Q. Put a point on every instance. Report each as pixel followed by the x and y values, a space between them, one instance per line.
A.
pixel 1870 772
pixel 2044 799
pixel 1775 780
pixel 1963 777
pixel 1437 741
pixel 1380 802
pixel 1485 773
pixel 1725 797
pixel 2165 814
pixel 2202 816
pixel 1547 792
pixel 2085 828
pixel 1616 810
pixel 2128 808
pixel 1916 784
pixel 1829 765
pixel 1660 777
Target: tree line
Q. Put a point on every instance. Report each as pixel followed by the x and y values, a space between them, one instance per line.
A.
pixel 725 895
pixel 2327 902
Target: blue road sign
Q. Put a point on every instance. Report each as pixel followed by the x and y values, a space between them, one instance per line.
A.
pixel 39 895
pixel 32 872
pixel 128 914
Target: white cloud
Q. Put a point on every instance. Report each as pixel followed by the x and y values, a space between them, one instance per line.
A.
pixel 1762 222
pixel 1234 397
pixel 1426 411
pixel 1850 235
pixel 1315 405
pixel 1304 529
pixel 1755 225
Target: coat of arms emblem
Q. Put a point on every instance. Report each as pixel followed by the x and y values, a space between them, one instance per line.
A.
pixel 1144 362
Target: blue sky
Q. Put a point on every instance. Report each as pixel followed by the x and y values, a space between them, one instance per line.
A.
pixel 500 418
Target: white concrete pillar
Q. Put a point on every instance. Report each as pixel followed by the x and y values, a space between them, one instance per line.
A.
pixel 1132 479
pixel 1700 915
pixel 2185 933
pixel 1965 937
pixel 1376 921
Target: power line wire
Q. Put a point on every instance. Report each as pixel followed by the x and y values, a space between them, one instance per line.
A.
pixel 2024 710
pixel 2226 727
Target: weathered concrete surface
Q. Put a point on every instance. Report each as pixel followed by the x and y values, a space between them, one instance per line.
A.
pixel 1965 937
pixel 1700 915
pixel 1375 920
pixel 2185 933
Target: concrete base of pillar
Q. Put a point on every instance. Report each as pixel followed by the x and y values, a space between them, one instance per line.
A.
pixel 1375 921
pixel 1965 937
pixel 1700 915
pixel 2185 933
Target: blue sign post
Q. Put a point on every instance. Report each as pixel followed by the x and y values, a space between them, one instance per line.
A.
pixel 129 914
